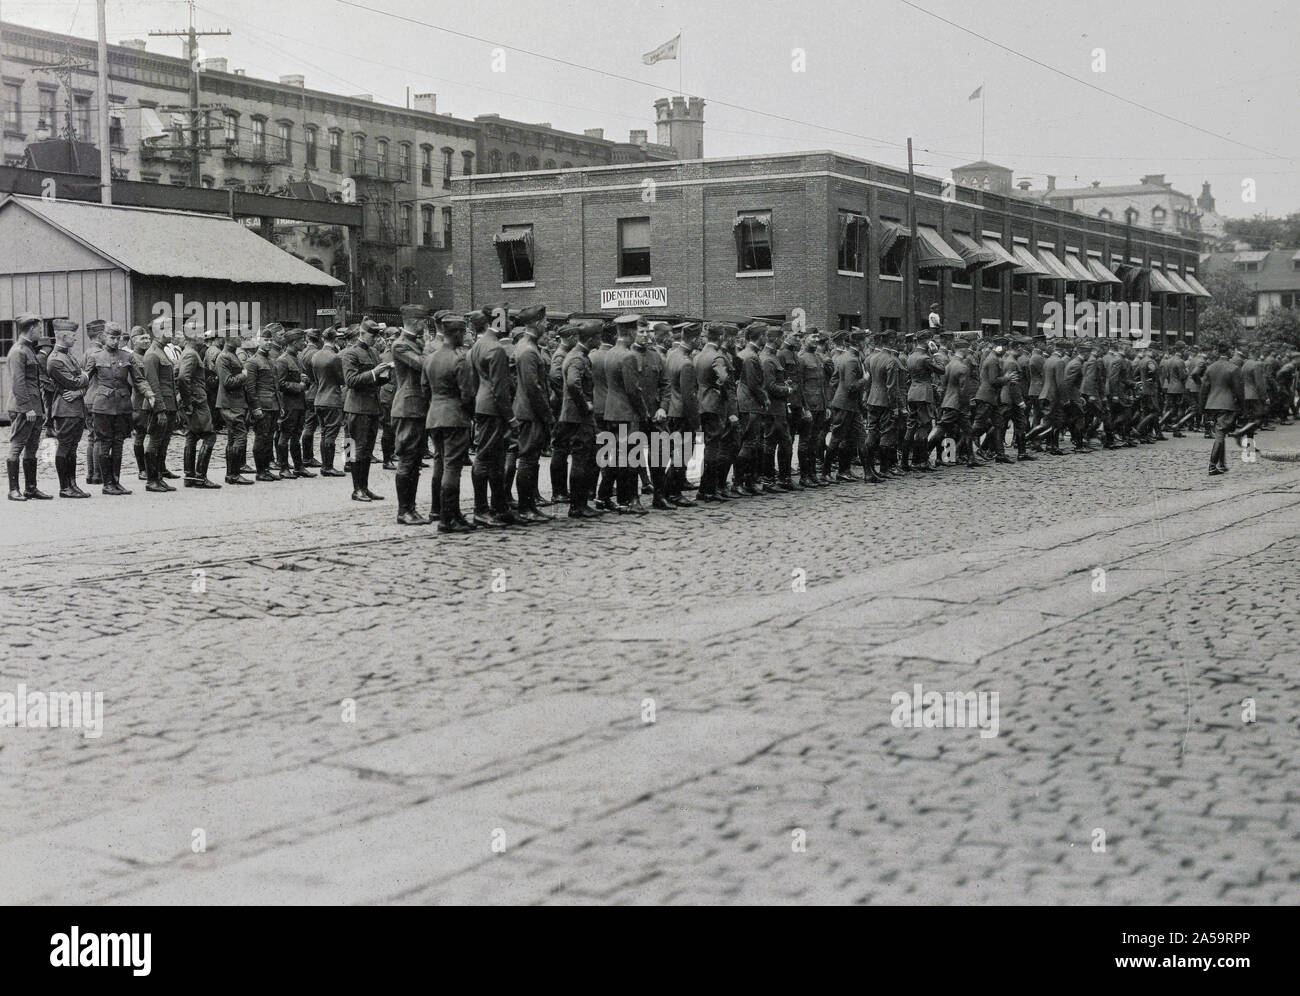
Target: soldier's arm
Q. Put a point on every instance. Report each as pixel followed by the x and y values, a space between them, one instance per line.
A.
pixel 499 371
pixel 287 379
pixel 573 387
pixel 183 392
pixel 353 375
pixel 65 374
pixel 720 369
pixel 406 354
pixel 467 380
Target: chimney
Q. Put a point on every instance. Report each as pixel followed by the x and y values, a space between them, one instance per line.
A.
pixel 1154 180
pixel 215 65
pixel 427 102
pixel 595 133
pixel 1206 201
pixel 543 124
pixel 294 79
pixel 362 96
pixel 638 137
pixel 1024 185
pixel 1051 183
pixel 240 72
pixel 1096 183
pixel 134 43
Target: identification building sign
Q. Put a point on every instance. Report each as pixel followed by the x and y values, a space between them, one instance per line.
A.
pixel 634 298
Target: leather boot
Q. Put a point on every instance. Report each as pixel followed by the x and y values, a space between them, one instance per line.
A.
pixel 141 464
pixel 201 460
pixel 187 460
pixel 151 471
pixel 32 491
pixel 15 492
pixel 94 474
pixel 117 475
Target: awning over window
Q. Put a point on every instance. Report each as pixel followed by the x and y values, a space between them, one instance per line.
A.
pixel 1160 283
pixel 1050 260
pixel 972 252
pixel 1026 264
pixel 932 252
pixel 750 221
pixel 1197 286
pixel 1100 273
pixel 1003 260
pixel 522 235
pixel 890 233
pixel 1075 266
pixel 1180 284
pixel 151 125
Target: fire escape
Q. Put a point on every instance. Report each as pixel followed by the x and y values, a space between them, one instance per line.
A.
pixel 376 187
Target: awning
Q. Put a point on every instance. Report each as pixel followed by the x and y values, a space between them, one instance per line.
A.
pixel 1003 260
pixel 1197 286
pixel 750 221
pixel 972 252
pixel 151 125
pixel 1100 273
pixel 1026 264
pixel 1081 272
pixel 523 235
pixel 1160 283
pixel 932 252
pixel 1180 284
pixel 891 233
pixel 1050 260
pixel 1251 256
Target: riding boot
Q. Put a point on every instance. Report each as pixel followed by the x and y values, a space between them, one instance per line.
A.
pixel 29 472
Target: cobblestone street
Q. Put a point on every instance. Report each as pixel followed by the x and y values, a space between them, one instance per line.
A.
pixel 693 707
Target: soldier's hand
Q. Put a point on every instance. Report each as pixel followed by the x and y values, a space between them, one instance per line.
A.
pixel 660 415
pixel 733 419
pixel 257 413
pixel 70 396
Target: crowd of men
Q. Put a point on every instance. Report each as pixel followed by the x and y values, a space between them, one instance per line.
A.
pixel 498 389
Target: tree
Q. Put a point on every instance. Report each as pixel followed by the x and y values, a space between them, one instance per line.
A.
pixel 1279 326
pixel 1218 327
pixel 1264 233
pixel 1228 290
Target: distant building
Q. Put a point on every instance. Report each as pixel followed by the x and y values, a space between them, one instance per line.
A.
pixel 1272 275
pixel 984 175
pixel 1152 202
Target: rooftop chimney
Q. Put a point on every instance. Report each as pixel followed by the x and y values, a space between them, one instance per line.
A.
pixel 543 124
pixel 294 79
pixel 595 132
pixel 240 72
pixel 1024 185
pixel 427 102
pixel 215 65
pixel 362 96
pixel 1051 183
pixel 1096 183
pixel 1154 180
pixel 638 137
pixel 136 43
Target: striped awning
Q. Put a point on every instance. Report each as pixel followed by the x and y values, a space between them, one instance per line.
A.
pixel 1180 284
pixel 1075 266
pixel 1053 264
pixel 1003 260
pixel 1100 273
pixel 972 252
pixel 891 233
pixel 1160 283
pixel 932 252
pixel 1196 285
pixel 1027 264
pixel 522 235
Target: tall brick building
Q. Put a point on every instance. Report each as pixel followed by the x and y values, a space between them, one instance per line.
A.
pixel 821 231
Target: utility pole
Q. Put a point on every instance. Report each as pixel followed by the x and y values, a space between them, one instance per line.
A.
pixel 64 69
pixel 913 290
pixel 105 159
pixel 191 36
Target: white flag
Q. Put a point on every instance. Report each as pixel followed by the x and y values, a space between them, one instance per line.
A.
pixel 668 50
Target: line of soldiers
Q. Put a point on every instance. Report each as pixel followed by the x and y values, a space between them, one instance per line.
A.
pixel 510 386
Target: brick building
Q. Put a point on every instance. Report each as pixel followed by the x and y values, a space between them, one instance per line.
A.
pixel 821 231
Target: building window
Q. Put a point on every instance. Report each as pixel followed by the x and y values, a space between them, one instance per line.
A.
pixel 532 165
pixel 1158 217
pixel 494 161
pixel 634 247
pixel 566 165
pixel 358 155
pixel 853 241
pixel 117 137
pixel 404 162
pixel 284 141
pixel 426 225
pixel 405 237
pixel 549 164
pixel 890 324
pixel 513 163
pixel 847 322
pixel 336 151
pixel 446 166
pixel 426 165
pixel 309 145
pixel 753 232
pixel 14 108
pixel 49 115
pixel 446 228
pixel 1131 216
pixel 381 157
pixel 408 285
pixel 81 104
pixel 259 134
pixel 468 163
pixel 894 244
pixel 232 127
pixel 515 251
pixel 990 278
pixel 1105 214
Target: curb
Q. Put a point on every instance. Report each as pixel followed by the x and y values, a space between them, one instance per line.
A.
pixel 1281 456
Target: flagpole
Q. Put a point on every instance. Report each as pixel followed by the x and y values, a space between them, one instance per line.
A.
pixel 680 43
pixel 984 99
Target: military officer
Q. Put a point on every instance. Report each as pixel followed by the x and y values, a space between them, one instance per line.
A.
pixel 1011 398
pixel 1222 398
pixel 68 408
pixel 653 386
pixel 989 426
pixel 625 412
pixel 577 425
pixel 448 380
pixel 26 408
pixel 954 422
pixel 94 343
pixel 711 376
pixel 683 409
pixel 260 368
pixel 113 380
pixel 606 475
pixel 532 410
pixel 291 384
pixel 309 422
pixel 328 387
pixel 364 373
pixel 814 399
pixel 848 433
pixel 192 387
pixel 160 372
pixel 754 406
pixel 235 402
pixel 559 469
pixel 409 409
pixel 493 413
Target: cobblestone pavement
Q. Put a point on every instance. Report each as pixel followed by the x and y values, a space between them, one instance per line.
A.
pixel 500 749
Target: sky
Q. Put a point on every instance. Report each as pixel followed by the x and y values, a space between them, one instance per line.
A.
pixel 856 77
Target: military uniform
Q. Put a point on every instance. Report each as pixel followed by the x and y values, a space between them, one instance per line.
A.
pixel 448 379
pixel 309 422
pixel 200 432
pixel 363 375
pixel 409 409
pixel 653 384
pixel 814 399
pixel 751 396
pixel 234 400
pixel 291 387
pixel 264 397
pixel 328 388
pixel 26 414
pixel 67 411
pixel 1222 397
pixel 624 414
pixel 683 416
pixel 493 409
pixel 711 379
pixel 160 372
pixel 532 412
pixel 778 444
pixel 112 386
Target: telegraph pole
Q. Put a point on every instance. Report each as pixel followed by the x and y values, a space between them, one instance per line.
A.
pixel 913 291
pixel 191 37
pixel 105 159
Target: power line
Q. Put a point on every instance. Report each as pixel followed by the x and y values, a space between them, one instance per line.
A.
pixel 1084 82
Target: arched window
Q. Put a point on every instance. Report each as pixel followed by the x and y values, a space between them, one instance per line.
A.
pixel 358 155
pixel 566 165
pixel 494 161
pixel 1131 215
pixel 447 153
pixel 426 225
pixel 404 161
pixel 549 164
pixel 1105 214
pixel 512 164
pixel 1158 216
pixel 531 164
pixel 408 285
pixel 309 145
pixel 469 163
pixel 405 237
pixel 381 157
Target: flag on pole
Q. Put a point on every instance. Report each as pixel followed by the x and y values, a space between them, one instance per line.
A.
pixel 979 92
pixel 668 50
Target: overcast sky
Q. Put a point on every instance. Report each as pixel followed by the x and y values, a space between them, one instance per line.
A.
pixel 876 72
